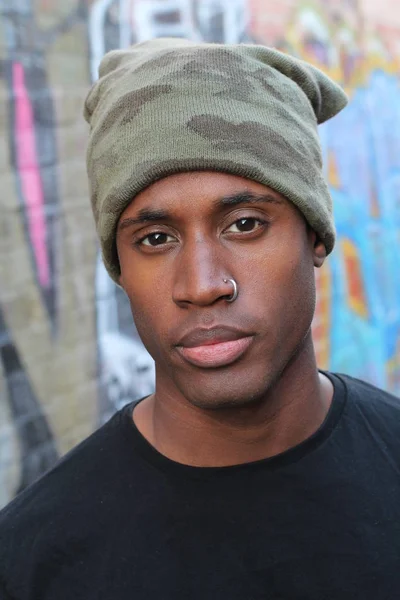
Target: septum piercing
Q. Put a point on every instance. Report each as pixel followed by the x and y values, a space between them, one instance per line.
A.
pixel 235 292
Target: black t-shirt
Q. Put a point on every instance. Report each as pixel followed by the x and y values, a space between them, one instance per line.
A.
pixel 116 520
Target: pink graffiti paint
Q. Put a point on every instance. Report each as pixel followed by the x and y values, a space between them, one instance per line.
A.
pixel 29 174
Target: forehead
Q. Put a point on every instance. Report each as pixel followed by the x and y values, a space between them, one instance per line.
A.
pixel 198 191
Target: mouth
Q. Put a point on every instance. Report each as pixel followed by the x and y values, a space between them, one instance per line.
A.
pixel 214 348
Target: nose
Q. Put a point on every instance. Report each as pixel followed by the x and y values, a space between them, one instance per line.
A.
pixel 200 274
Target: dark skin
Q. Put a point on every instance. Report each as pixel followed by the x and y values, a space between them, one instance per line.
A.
pixel 176 243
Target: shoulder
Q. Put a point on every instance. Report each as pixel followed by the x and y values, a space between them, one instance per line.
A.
pixel 371 409
pixel 80 469
pixel 63 503
pixel 370 396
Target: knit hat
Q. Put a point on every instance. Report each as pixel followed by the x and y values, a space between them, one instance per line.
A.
pixel 171 105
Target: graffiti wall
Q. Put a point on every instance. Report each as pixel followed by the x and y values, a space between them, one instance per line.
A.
pixel 69 351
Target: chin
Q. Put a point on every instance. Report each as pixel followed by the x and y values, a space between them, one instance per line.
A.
pixel 224 403
pixel 230 396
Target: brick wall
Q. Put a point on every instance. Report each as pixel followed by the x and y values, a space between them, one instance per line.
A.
pixel 69 353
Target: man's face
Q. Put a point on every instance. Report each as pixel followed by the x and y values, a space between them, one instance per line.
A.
pixel 177 242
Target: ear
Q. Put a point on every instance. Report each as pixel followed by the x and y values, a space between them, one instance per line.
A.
pixel 319 252
pixel 318 249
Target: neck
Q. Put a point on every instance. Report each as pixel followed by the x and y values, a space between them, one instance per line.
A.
pixel 291 411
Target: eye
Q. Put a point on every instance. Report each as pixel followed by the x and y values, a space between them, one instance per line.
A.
pixel 156 239
pixel 245 225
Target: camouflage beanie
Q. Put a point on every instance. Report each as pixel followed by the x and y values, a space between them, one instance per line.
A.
pixel 171 105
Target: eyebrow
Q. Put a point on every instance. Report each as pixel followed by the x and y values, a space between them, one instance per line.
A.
pixel 247 198
pixel 145 215
pixel 149 215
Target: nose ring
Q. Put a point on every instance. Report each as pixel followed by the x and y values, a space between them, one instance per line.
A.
pixel 235 292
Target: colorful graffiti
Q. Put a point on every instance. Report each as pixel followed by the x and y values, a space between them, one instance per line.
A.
pixel 361 151
pixel 34 161
pixel 69 352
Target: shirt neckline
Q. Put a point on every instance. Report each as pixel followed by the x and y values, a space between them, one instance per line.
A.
pixel 151 455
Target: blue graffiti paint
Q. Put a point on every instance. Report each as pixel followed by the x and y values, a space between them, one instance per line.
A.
pixel 365 141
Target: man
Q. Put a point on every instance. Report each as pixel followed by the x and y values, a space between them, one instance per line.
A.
pixel 249 473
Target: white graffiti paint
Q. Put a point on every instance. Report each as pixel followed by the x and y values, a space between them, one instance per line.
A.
pixel 97 16
pixel 125 23
pixel 126 370
pixel 164 18
pixel 233 14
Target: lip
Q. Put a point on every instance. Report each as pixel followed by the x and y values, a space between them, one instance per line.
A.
pixel 216 347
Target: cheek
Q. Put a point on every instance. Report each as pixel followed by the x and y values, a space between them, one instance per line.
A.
pixel 147 298
pixel 285 287
pixel 299 295
pixel 143 278
pixel 147 320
